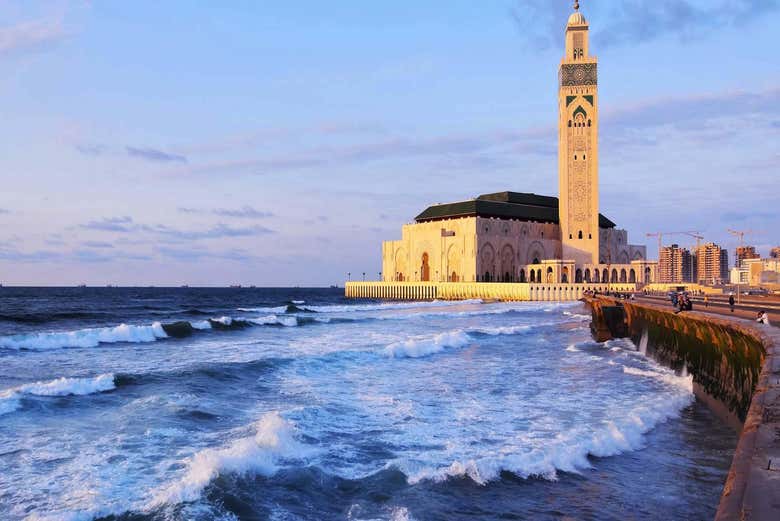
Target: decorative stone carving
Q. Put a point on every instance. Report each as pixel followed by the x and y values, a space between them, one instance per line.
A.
pixel 576 74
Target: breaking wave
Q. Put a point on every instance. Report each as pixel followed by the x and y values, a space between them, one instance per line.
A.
pixel 125 333
pixel 91 337
pixel 420 346
pixel 260 454
pixel 10 399
pixel 567 452
pixel 664 375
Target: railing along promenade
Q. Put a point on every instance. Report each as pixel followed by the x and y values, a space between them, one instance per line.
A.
pixel 735 365
pixel 505 291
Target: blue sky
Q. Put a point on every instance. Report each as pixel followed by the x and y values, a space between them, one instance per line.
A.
pixel 278 142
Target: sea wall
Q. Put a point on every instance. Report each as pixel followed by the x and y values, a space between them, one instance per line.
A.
pixel 507 291
pixel 735 365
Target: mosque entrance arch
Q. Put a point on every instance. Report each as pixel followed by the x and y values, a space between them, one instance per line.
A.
pixel 425 268
pixel 453 263
pixel 401 269
pixel 507 263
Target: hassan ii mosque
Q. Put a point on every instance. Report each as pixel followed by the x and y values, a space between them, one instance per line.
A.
pixel 522 237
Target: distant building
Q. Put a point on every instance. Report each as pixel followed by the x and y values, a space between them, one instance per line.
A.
pixel 775 254
pixel 712 264
pixel 525 237
pixel 675 265
pixel 744 253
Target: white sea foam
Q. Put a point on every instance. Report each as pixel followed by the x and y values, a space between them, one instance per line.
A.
pixel 666 376
pixel 85 337
pixel 201 324
pixel 506 330
pixel 260 454
pixel 275 320
pixel 276 309
pixel 423 346
pixel 298 302
pixel 567 452
pixel 572 349
pixel 10 399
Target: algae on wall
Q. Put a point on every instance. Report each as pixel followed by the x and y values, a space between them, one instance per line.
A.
pixel 724 360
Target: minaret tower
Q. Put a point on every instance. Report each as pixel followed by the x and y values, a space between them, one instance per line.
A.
pixel 578 146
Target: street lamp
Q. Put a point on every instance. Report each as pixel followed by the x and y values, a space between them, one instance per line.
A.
pixel 364 276
pixel 349 276
pixel 380 276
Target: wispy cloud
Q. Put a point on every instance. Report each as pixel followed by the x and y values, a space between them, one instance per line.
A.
pixel 91 149
pixel 123 224
pixel 31 35
pixel 245 212
pixel 151 154
pixel 97 244
pixel 631 21
pixel 3 211
pixel 193 255
pixel 215 232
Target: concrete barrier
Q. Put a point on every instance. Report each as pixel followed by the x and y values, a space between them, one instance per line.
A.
pixel 735 366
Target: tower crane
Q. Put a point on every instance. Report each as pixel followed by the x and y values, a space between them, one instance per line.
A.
pixel 660 236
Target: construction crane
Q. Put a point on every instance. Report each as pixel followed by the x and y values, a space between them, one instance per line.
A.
pixel 660 236
pixel 741 234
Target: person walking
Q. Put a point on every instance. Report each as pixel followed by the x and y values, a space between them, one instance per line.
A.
pixel 731 302
pixel 706 301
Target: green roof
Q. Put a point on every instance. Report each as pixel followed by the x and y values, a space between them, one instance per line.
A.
pixel 502 205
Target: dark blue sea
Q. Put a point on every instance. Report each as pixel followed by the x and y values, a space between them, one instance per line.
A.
pixel 295 404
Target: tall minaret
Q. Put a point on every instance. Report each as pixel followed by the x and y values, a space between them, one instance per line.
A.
pixel 578 146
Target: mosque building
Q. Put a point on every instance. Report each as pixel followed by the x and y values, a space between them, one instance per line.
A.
pixel 523 237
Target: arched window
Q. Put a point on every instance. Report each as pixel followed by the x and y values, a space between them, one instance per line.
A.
pixel 588 122
pixel 570 237
pixel 533 276
pixel 632 276
pixel 590 236
pixel 614 275
pixel 580 234
pixel 623 276
pixel 578 276
pixel 522 275
pixel 569 123
pixel 587 276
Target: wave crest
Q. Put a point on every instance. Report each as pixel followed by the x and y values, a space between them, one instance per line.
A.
pixel 90 337
pixel 260 454
pixel 10 399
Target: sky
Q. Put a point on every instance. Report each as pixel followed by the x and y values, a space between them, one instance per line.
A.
pixel 279 143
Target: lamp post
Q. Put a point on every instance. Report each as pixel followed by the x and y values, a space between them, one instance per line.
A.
pixel 364 276
pixel 415 276
pixel 380 276
pixel 437 276
pixel 349 276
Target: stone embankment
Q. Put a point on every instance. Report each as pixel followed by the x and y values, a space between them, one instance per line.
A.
pixel 735 366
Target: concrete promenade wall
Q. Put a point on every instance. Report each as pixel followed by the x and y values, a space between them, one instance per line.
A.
pixel 735 366
pixel 505 291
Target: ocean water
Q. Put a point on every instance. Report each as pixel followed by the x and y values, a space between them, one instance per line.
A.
pixel 296 404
